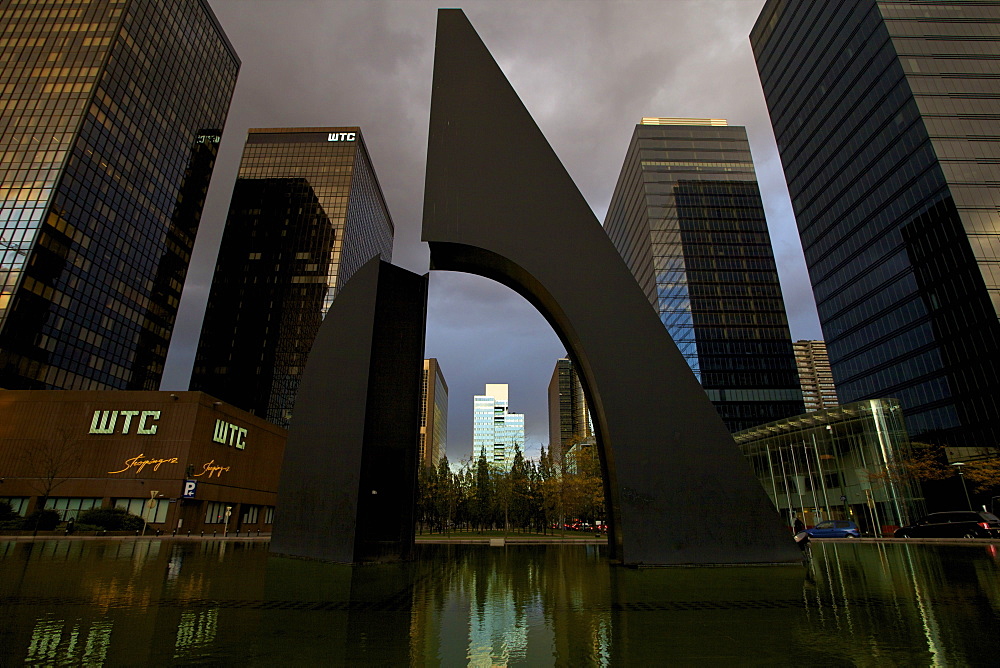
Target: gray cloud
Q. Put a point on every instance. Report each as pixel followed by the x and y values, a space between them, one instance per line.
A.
pixel 587 71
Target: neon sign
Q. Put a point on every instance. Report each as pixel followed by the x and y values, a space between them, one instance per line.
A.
pixel 104 422
pixel 140 463
pixel 211 469
pixel 229 434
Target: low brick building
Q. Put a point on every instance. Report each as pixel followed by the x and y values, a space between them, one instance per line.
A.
pixel 181 460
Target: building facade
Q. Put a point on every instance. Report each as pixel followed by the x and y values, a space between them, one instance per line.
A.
pixel 307 211
pixel 885 118
pixel 838 463
pixel 818 389
pixel 182 461
pixel 111 121
pixel 433 414
pixel 497 433
pixel 687 217
pixel 569 417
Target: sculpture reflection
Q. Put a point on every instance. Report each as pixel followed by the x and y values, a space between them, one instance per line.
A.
pixel 144 602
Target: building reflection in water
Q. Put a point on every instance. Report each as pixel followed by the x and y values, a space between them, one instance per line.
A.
pixel 494 607
pixel 145 602
pixel 69 642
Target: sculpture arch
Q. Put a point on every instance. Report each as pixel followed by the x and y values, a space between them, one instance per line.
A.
pixel 498 203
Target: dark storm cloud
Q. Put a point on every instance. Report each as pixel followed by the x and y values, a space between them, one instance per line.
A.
pixel 587 71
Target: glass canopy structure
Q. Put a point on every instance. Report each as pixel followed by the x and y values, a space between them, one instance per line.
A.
pixel 838 463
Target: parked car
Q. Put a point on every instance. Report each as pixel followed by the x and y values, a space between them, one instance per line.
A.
pixel 953 524
pixel 834 529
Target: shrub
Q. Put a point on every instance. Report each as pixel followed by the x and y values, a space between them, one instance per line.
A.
pixel 80 527
pixel 7 512
pixel 42 520
pixel 112 519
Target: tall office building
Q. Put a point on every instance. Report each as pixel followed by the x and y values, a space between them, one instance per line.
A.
pixel 687 218
pixel 110 120
pixel 307 211
pixel 569 417
pixel 813 363
pixel 496 432
pixel 885 114
pixel 433 414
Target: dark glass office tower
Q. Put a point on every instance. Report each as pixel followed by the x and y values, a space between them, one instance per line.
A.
pixel 111 117
pixel 569 417
pixel 433 437
pixel 687 218
pixel 307 211
pixel 886 117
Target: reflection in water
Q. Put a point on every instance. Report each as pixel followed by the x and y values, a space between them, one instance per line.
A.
pixel 59 641
pixel 139 602
pixel 493 607
pixel 196 632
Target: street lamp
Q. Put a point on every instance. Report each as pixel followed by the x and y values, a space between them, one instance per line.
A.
pixel 964 486
pixel 151 504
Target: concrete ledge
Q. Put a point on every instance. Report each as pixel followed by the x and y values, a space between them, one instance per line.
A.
pixel 929 541
pixel 130 536
pixel 512 541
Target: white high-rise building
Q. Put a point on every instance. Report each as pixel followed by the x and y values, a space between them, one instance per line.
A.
pixel 496 432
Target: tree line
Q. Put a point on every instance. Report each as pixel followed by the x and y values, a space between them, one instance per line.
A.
pixel 927 464
pixel 530 497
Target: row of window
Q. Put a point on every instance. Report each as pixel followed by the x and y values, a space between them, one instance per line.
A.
pixel 152 510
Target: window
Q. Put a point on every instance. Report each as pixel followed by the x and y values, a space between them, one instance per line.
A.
pixel 19 504
pixel 215 512
pixel 70 508
pixel 153 511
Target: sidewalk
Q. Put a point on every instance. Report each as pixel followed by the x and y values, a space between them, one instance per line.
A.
pixel 509 540
pixel 425 540
pixel 120 535
pixel 914 541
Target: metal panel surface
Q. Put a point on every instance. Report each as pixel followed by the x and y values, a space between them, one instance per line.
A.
pixel 348 480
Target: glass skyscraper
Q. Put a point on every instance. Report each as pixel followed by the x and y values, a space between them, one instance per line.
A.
pixel 687 218
pixel 569 417
pixel 496 432
pixel 885 114
pixel 110 119
pixel 307 212
pixel 433 444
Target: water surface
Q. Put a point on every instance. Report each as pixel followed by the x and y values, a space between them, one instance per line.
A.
pixel 135 602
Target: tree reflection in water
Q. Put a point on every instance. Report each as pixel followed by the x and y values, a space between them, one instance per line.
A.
pixel 134 602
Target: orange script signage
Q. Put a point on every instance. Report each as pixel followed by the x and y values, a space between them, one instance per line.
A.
pixel 211 469
pixel 139 464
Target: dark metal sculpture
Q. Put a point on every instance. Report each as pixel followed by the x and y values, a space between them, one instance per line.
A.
pixel 498 203
pixel 348 480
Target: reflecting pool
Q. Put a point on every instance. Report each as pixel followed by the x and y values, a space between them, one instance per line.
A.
pixel 174 602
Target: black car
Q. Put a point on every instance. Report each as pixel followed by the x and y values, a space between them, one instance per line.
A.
pixel 953 524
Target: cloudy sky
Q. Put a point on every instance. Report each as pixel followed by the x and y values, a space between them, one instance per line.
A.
pixel 588 71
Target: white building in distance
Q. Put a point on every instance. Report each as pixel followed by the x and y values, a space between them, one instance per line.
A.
pixel 496 432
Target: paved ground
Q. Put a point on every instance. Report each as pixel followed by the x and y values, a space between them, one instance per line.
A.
pixel 484 540
pixel 952 541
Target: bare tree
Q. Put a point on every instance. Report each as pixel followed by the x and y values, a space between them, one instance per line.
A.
pixel 50 463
